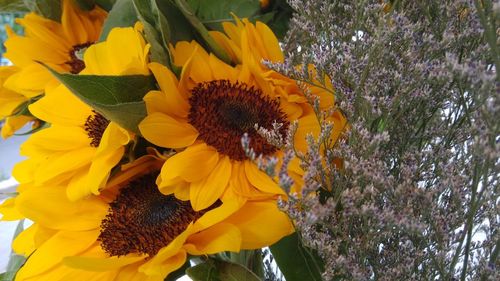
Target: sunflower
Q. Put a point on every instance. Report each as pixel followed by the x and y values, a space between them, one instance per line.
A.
pixel 205 114
pixel 131 231
pixel 58 45
pixel 11 105
pixel 81 146
pixel 252 44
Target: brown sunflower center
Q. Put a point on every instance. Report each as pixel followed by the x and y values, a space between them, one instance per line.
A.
pixel 76 55
pixel 95 126
pixel 222 112
pixel 143 220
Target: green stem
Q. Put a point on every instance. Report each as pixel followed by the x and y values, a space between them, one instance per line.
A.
pixel 470 219
pixel 489 31
pixel 202 30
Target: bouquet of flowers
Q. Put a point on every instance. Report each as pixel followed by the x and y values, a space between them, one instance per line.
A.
pixel 135 165
pixel 173 137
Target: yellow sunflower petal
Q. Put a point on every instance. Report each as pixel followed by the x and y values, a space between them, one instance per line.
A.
pixel 55 167
pixel 56 138
pixel 60 272
pixel 202 71
pixel 109 153
pixel 20 50
pixel 72 23
pixel 14 124
pixel 30 81
pixel 9 101
pixel 76 188
pixel 182 51
pixel 229 46
pixel 307 125
pixel 95 259
pixel 51 253
pixel 239 183
pixel 73 113
pixel 219 238
pixel 168 266
pixel 270 42
pixel 217 215
pixel 81 215
pixel 9 211
pixel 168 257
pixel 205 192
pixel 199 157
pixel 112 57
pixel 174 101
pixel 24 243
pixel 166 131
pixel 24 171
pixel 181 191
pixel 221 70
pixel 130 273
pixel 261 180
pixel 261 224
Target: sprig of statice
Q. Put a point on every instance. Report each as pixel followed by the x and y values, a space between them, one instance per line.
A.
pixel 417 195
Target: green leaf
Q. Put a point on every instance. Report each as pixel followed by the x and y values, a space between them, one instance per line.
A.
pixel 187 11
pixel 86 5
pixel 217 270
pixel 296 261
pixel 213 12
pixel 122 14
pixel 13 6
pixel 15 261
pixel 251 259
pixel 105 4
pixel 278 17
pixel 203 272
pixel 156 30
pixel 50 9
pixel 179 28
pixel 118 98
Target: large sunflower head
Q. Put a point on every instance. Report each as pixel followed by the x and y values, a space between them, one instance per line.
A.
pixel 131 231
pixel 81 146
pixel 205 114
pixel 58 45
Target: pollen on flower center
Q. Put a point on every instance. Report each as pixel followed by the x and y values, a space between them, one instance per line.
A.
pixel 223 112
pixel 76 60
pixel 143 220
pixel 95 125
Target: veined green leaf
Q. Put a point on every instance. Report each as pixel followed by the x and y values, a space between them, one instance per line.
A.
pixel 217 270
pixel 122 14
pixel 50 9
pixel 187 11
pixel 297 262
pixel 118 98
pixel 213 12
pixel 157 29
pixel 179 28
pixel 13 6
pixel 149 15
